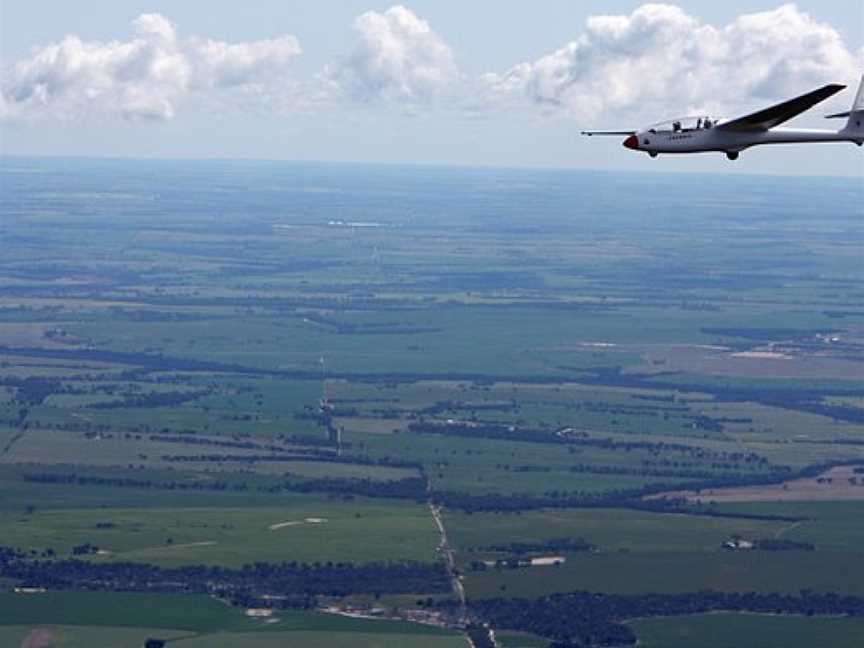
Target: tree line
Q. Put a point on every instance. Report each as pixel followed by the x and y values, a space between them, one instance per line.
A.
pixel 256 580
pixel 586 619
pixel 413 488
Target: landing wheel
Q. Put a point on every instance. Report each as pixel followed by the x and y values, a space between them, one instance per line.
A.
pixel 652 154
pixel 732 155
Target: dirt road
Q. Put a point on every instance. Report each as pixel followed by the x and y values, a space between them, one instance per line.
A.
pixel 447 552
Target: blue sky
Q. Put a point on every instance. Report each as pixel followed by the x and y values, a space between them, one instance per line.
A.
pixel 442 82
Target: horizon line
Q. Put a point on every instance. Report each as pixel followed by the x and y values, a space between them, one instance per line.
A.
pixel 432 165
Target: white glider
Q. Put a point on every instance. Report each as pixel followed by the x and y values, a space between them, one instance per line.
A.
pixel 731 136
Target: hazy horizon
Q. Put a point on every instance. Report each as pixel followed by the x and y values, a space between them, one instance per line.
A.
pixel 419 83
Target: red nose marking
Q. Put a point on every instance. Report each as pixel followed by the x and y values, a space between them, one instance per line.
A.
pixel 632 142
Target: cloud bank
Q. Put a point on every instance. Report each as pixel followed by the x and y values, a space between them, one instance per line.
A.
pixel 659 57
pixel 656 60
pixel 144 78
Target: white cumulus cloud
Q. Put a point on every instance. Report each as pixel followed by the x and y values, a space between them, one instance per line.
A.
pixel 660 58
pixel 143 78
pixel 656 61
pixel 398 59
pixel 225 65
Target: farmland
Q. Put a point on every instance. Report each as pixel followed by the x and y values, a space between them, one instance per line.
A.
pixel 76 619
pixel 208 366
pixel 731 631
pixel 638 552
pixel 304 532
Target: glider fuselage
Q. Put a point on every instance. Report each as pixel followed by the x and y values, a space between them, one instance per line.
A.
pixel 715 139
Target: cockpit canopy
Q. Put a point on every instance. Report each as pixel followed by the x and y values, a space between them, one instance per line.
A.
pixel 684 124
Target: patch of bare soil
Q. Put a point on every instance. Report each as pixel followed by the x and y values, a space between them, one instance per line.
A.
pixel 38 638
pixel 840 483
pixel 764 362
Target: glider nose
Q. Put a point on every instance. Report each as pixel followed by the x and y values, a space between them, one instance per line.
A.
pixel 632 142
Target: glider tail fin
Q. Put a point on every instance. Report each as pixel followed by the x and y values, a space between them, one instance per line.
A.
pixel 856 115
pixel 855 122
pixel 858 106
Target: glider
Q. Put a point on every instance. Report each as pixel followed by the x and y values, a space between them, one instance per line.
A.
pixel 731 136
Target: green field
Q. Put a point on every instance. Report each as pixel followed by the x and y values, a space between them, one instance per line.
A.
pixel 230 362
pixel 324 639
pixel 831 526
pixel 75 636
pixel 671 572
pixel 638 552
pixel 126 618
pixel 611 530
pixel 307 531
pixel 748 631
pixel 516 640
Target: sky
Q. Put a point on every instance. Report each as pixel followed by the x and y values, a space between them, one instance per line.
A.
pixel 484 82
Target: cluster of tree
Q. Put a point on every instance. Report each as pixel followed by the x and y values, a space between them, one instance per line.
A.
pixel 656 398
pixel 848 413
pixel 32 390
pixel 414 488
pixel 258 579
pixel 73 479
pixel 320 445
pixel 440 407
pixel 513 502
pixel 242 458
pixel 577 439
pixel 85 549
pixel 152 361
pixel 630 498
pixel 311 413
pixel 312 441
pixel 409 488
pixel 485 431
pixel 633 498
pixel 153 399
pixel 284 304
pixel 583 619
pixel 140 315
pixel 188 439
pixel 779 544
pixel 793 398
pixel 344 327
pixel 595 469
pixel 544 546
pixel 799 399
pixel 310 456
pixel 748 461
pixel 685 507
pixel 706 423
